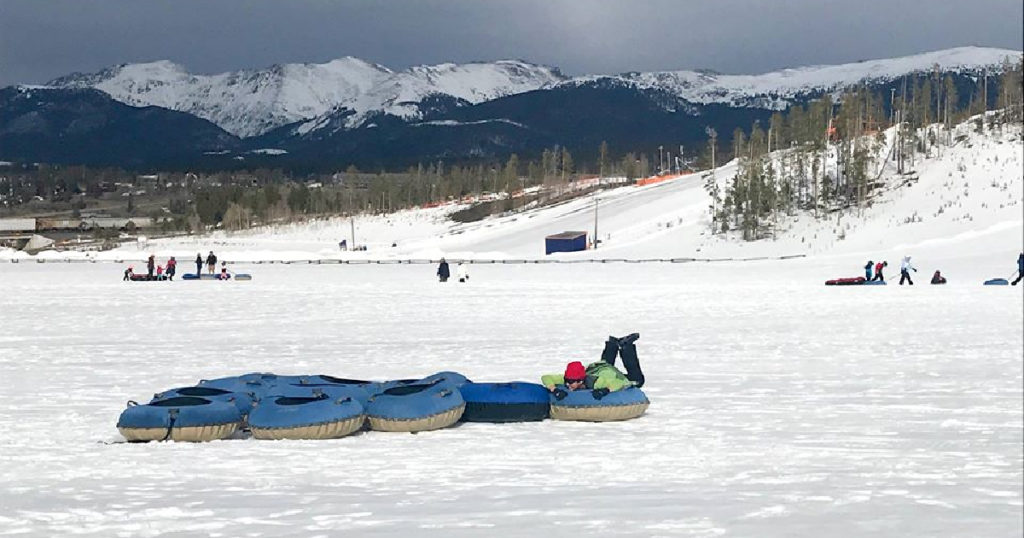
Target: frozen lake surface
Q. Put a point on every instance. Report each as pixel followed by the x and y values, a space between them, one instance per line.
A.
pixel 779 407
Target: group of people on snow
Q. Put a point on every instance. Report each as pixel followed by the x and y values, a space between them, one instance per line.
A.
pixel 169 269
pixel 444 272
pixel 906 267
pixel 154 271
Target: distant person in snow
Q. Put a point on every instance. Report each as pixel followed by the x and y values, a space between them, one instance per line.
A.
pixel 224 274
pixel 462 272
pixel 150 265
pixel 159 272
pixel 905 269
pixel 442 271
pixel 1020 269
pixel 937 278
pixel 878 271
pixel 172 267
pixel 211 262
pixel 867 270
pixel 600 377
pixel 128 273
pixel 199 264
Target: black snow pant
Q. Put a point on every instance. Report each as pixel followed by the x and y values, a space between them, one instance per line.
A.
pixel 1020 275
pixel 630 361
pixel 878 276
pixel 905 275
pixel 199 269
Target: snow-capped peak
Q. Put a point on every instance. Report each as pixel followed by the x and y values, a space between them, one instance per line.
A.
pixel 771 90
pixel 251 102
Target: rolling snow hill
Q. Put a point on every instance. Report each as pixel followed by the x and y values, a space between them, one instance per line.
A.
pixel 964 210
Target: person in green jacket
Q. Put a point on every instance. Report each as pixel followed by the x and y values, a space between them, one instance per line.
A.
pixel 600 377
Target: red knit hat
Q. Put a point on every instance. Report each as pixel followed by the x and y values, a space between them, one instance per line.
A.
pixel 575 370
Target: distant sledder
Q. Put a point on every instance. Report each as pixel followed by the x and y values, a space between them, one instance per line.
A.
pixel 937 278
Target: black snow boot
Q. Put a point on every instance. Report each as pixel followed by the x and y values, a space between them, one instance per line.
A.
pixel 629 339
pixel 632 364
pixel 611 350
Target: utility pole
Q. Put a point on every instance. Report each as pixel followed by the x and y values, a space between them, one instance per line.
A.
pixel 595 220
pixel 661 161
pixel 352 222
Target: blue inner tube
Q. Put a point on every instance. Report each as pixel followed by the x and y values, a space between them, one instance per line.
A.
pixel 874 283
pixel 585 398
pixel 295 412
pixel 330 390
pixel 411 402
pixel 188 411
pixel 517 401
pixel 242 400
pixel 997 282
pixel 450 378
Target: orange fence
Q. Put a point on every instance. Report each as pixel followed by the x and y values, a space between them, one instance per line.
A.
pixel 640 182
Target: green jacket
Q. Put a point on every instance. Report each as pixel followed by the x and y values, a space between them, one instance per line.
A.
pixel 600 375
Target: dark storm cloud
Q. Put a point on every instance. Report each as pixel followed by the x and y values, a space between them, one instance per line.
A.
pixel 43 39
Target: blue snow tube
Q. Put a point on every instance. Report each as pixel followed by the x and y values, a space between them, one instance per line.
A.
pixel 415 408
pixel 448 380
pixel 517 401
pixel 242 400
pixel 320 417
pixel 623 404
pixel 331 390
pixel 256 382
pixel 182 418
pixel 997 282
pixel 874 283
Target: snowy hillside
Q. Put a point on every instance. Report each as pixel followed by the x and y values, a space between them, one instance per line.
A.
pixel 965 206
pixel 249 103
pixel 252 102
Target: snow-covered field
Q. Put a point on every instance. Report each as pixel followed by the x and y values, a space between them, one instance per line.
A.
pixel 779 407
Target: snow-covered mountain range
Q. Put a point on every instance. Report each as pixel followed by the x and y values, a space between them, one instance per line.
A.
pixel 248 103
pixel 252 102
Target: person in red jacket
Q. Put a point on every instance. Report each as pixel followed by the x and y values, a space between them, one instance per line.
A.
pixel 172 265
pixel 878 271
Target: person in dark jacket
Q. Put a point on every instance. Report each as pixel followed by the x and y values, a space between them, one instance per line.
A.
pixel 867 270
pixel 199 264
pixel 150 265
pixel 172 266
pixel 128 273
pixel 443 272
pixel 600 377
pixel 937 278
pixel 1020 269
pixel 211 262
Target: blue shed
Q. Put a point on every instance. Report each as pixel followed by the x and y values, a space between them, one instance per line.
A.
pixel 565 242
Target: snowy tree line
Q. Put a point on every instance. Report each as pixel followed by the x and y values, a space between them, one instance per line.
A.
pixel 833 159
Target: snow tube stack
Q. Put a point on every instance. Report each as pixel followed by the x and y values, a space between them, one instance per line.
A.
pixel 505 402
pixel 581 405
pixel 317 417
pixel 181 418
pixel 415 408
pixel 325 407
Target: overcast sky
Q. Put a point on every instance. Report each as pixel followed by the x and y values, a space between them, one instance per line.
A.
pixel 43 39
